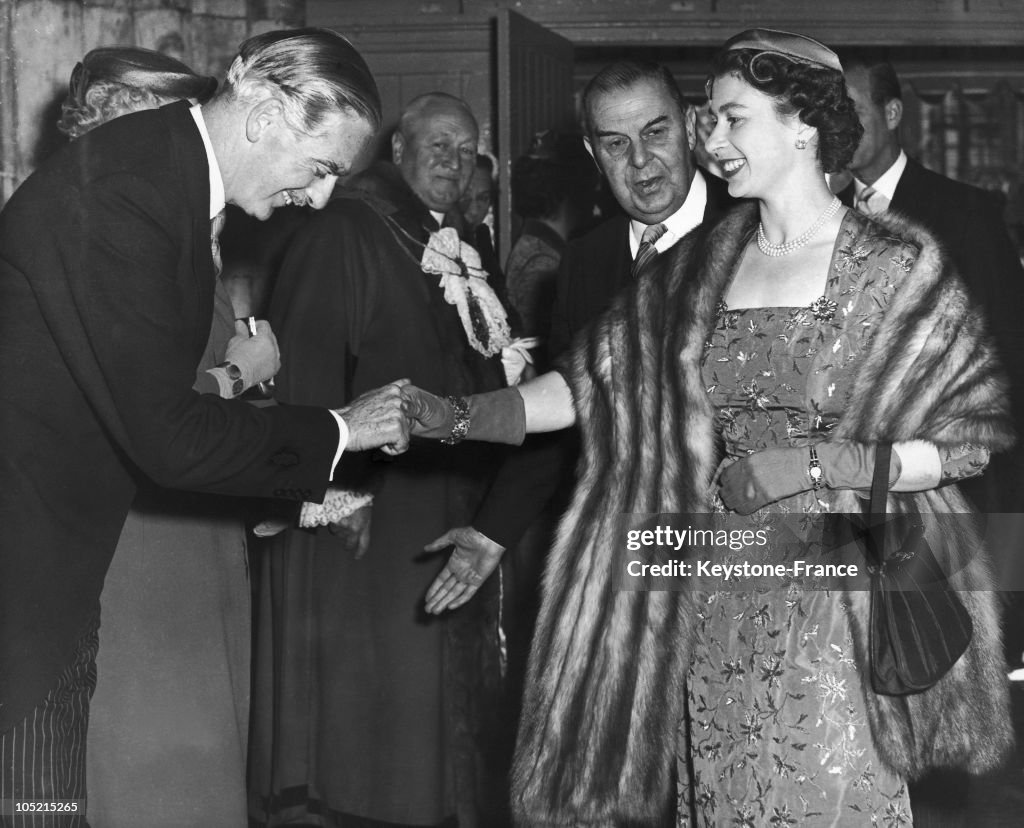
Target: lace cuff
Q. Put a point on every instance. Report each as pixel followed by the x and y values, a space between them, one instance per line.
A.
pixel 338 504
pixel 963 461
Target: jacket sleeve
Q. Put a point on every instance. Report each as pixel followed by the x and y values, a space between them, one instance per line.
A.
pixel 124 294
pixel 561 327
pixel 525 483
pixel 322 303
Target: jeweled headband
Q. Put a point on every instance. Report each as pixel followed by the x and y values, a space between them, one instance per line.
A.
pixel 795 47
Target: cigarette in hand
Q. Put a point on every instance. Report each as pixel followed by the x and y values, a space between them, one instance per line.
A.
pixel 250 323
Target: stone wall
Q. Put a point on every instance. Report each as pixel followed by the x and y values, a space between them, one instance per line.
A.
pixel 41 40
pixel 417 44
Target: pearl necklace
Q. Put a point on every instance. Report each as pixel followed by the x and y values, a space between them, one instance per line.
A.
pixel 785 248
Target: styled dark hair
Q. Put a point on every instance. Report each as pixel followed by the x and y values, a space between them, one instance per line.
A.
pixel 623 75
pixel 556 169
pixel 317 71
pixel 883 82
pixel 815 93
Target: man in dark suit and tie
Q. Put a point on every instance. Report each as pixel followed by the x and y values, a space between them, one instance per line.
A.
pixel 641 134
pixel 106 297
pixel 968 223
pixel 966 219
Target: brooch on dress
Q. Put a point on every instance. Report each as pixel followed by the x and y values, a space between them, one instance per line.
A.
pixel 823 309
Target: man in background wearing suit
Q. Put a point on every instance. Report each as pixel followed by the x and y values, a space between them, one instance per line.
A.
pixel 967 221
pixel 106 298
pixel 641 135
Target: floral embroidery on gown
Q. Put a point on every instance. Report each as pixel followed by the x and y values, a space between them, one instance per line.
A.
pixel 775 732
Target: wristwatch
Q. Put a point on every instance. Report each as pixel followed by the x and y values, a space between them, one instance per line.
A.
pixel 235 376
pixel 814 470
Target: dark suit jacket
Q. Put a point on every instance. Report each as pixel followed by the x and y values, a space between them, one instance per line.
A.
pixel 594 269
pixel 598 266
pixel 106 297
pixel 967 221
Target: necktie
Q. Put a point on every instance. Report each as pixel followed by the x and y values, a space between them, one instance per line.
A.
pixel 863 202
pixel 647 250
pixel 216 225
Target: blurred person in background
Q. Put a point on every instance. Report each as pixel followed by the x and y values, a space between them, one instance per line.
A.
pixel 554 186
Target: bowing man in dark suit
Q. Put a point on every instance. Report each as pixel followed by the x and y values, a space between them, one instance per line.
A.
pixel 968 223
pixel 106 299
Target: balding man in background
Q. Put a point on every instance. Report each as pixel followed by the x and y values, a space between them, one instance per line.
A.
pixel 371 286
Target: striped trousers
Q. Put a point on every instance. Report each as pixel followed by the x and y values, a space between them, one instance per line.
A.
pixel 42 759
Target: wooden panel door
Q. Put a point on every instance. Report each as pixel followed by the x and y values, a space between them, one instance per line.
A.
pixel 535 92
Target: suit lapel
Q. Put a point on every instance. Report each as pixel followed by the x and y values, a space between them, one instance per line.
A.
pixel 907 190
pixel 188 155
pixel 607 272
pixel 847 194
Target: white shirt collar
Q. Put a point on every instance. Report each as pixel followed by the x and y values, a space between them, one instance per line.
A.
pixel 216 182
pixel 438 217
pixel 681 222
pixel 886 184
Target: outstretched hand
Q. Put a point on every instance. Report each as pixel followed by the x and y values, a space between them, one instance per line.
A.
pixel 474 558
pixel 431 416
pixel 377 420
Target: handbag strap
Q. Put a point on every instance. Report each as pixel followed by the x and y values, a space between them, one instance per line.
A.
pixel 875 541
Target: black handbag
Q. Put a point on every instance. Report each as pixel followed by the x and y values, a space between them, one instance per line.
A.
pixel 918 627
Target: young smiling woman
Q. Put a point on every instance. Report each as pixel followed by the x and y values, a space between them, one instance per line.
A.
pixel 791 337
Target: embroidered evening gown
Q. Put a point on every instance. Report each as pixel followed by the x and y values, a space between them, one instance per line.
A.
pixel 775 731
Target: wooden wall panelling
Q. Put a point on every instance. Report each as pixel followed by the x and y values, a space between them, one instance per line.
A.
pixel 710 22
pixel 408 59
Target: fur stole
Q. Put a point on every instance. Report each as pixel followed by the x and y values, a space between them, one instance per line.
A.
pixel 605 685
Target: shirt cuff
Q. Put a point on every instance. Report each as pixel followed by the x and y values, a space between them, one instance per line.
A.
pixel 224 383
pixel 342 439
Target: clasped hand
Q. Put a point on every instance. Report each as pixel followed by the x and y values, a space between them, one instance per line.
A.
pixel 378 419
pixel 752 482
pixel 386 417
pixel 430 416
pixel 771 474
